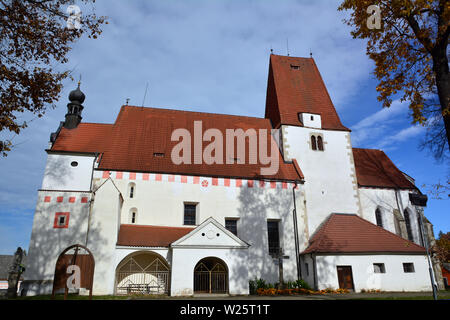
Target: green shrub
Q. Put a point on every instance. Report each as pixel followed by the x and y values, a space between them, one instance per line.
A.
pixel 258 284
pixel 298 284
pixel 252 286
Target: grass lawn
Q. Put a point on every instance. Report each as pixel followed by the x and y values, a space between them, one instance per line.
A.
pixel 76 297
pixel 442 295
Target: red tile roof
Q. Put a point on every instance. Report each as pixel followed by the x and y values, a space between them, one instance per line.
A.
pixel 348 233
pixel 293 91
pixel 138 133
pixel 87 137
pixel 375 169
pixel 149 236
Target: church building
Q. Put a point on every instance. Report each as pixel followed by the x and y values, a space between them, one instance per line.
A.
pixel 159 213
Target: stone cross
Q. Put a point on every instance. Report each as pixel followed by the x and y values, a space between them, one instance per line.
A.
pixel 278 259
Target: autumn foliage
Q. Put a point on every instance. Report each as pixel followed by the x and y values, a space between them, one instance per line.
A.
pixel 442 247
pixel 410 55
pixel 35 41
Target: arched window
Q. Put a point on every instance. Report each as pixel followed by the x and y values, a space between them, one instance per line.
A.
pixel 131 190
pixel 319 143
pixel 133 216
pixel 313 143
pixel 408 225
pixel 422 236
pixel 379 218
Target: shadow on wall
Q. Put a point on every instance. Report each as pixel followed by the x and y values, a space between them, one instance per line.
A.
pixel 55 171
pixel 49 242
pixel 256 206
pixel 326 271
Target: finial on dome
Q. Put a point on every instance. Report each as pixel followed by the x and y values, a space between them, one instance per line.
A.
pixel 77 96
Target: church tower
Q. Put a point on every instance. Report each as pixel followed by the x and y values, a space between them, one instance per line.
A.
pixel 298 103
pixel 74 108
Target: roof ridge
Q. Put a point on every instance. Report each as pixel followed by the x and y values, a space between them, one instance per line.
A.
pixel 99 123
pixel 198 112
pixel 366 148
pixel 153 226
pixel 291 57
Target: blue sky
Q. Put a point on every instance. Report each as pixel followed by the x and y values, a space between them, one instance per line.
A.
pixel 212 56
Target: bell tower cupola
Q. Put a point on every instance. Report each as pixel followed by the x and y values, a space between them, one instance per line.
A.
pixel 74 108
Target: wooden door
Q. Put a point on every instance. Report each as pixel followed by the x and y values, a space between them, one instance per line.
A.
pixel 345 277
pixel 74 255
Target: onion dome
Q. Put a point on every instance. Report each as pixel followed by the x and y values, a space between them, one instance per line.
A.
pixel 77 96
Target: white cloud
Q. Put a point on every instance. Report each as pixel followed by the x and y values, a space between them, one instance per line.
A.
pixel 383 115
pixel 379 124
pixel 401 136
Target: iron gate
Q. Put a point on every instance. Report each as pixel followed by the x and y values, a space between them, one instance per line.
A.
pixel 142 275
pixel 210 279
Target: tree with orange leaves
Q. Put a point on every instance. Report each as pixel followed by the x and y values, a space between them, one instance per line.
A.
pixel 442 247
pixel 35 38
pixel 409 48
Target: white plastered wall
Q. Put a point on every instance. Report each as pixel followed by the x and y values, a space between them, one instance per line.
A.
pixel 395 279
pixel 184 261
pixel 47 242
pixel 330 179
pixel 61 175
pixel 103 231
pixel 162 203
pixel 386 201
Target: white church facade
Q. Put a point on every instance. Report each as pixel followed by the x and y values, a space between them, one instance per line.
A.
pixel 341 216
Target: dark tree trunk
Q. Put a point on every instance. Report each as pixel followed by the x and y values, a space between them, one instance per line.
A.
pixel 441 71
pixel 440 68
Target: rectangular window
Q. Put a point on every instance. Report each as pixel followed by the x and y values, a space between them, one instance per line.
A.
pixel 379 268
pixel 408 267
pixel 189 214
pixel 231 225
pixel 61 220
pixel 273 236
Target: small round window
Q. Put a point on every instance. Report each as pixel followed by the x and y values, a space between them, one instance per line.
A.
pixel 74 164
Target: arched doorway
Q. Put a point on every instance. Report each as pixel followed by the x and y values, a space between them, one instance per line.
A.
pixel 143 273
pixel 74 268
pixel 211 276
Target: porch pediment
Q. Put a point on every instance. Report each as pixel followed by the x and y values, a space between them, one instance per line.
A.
pixel 210 234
